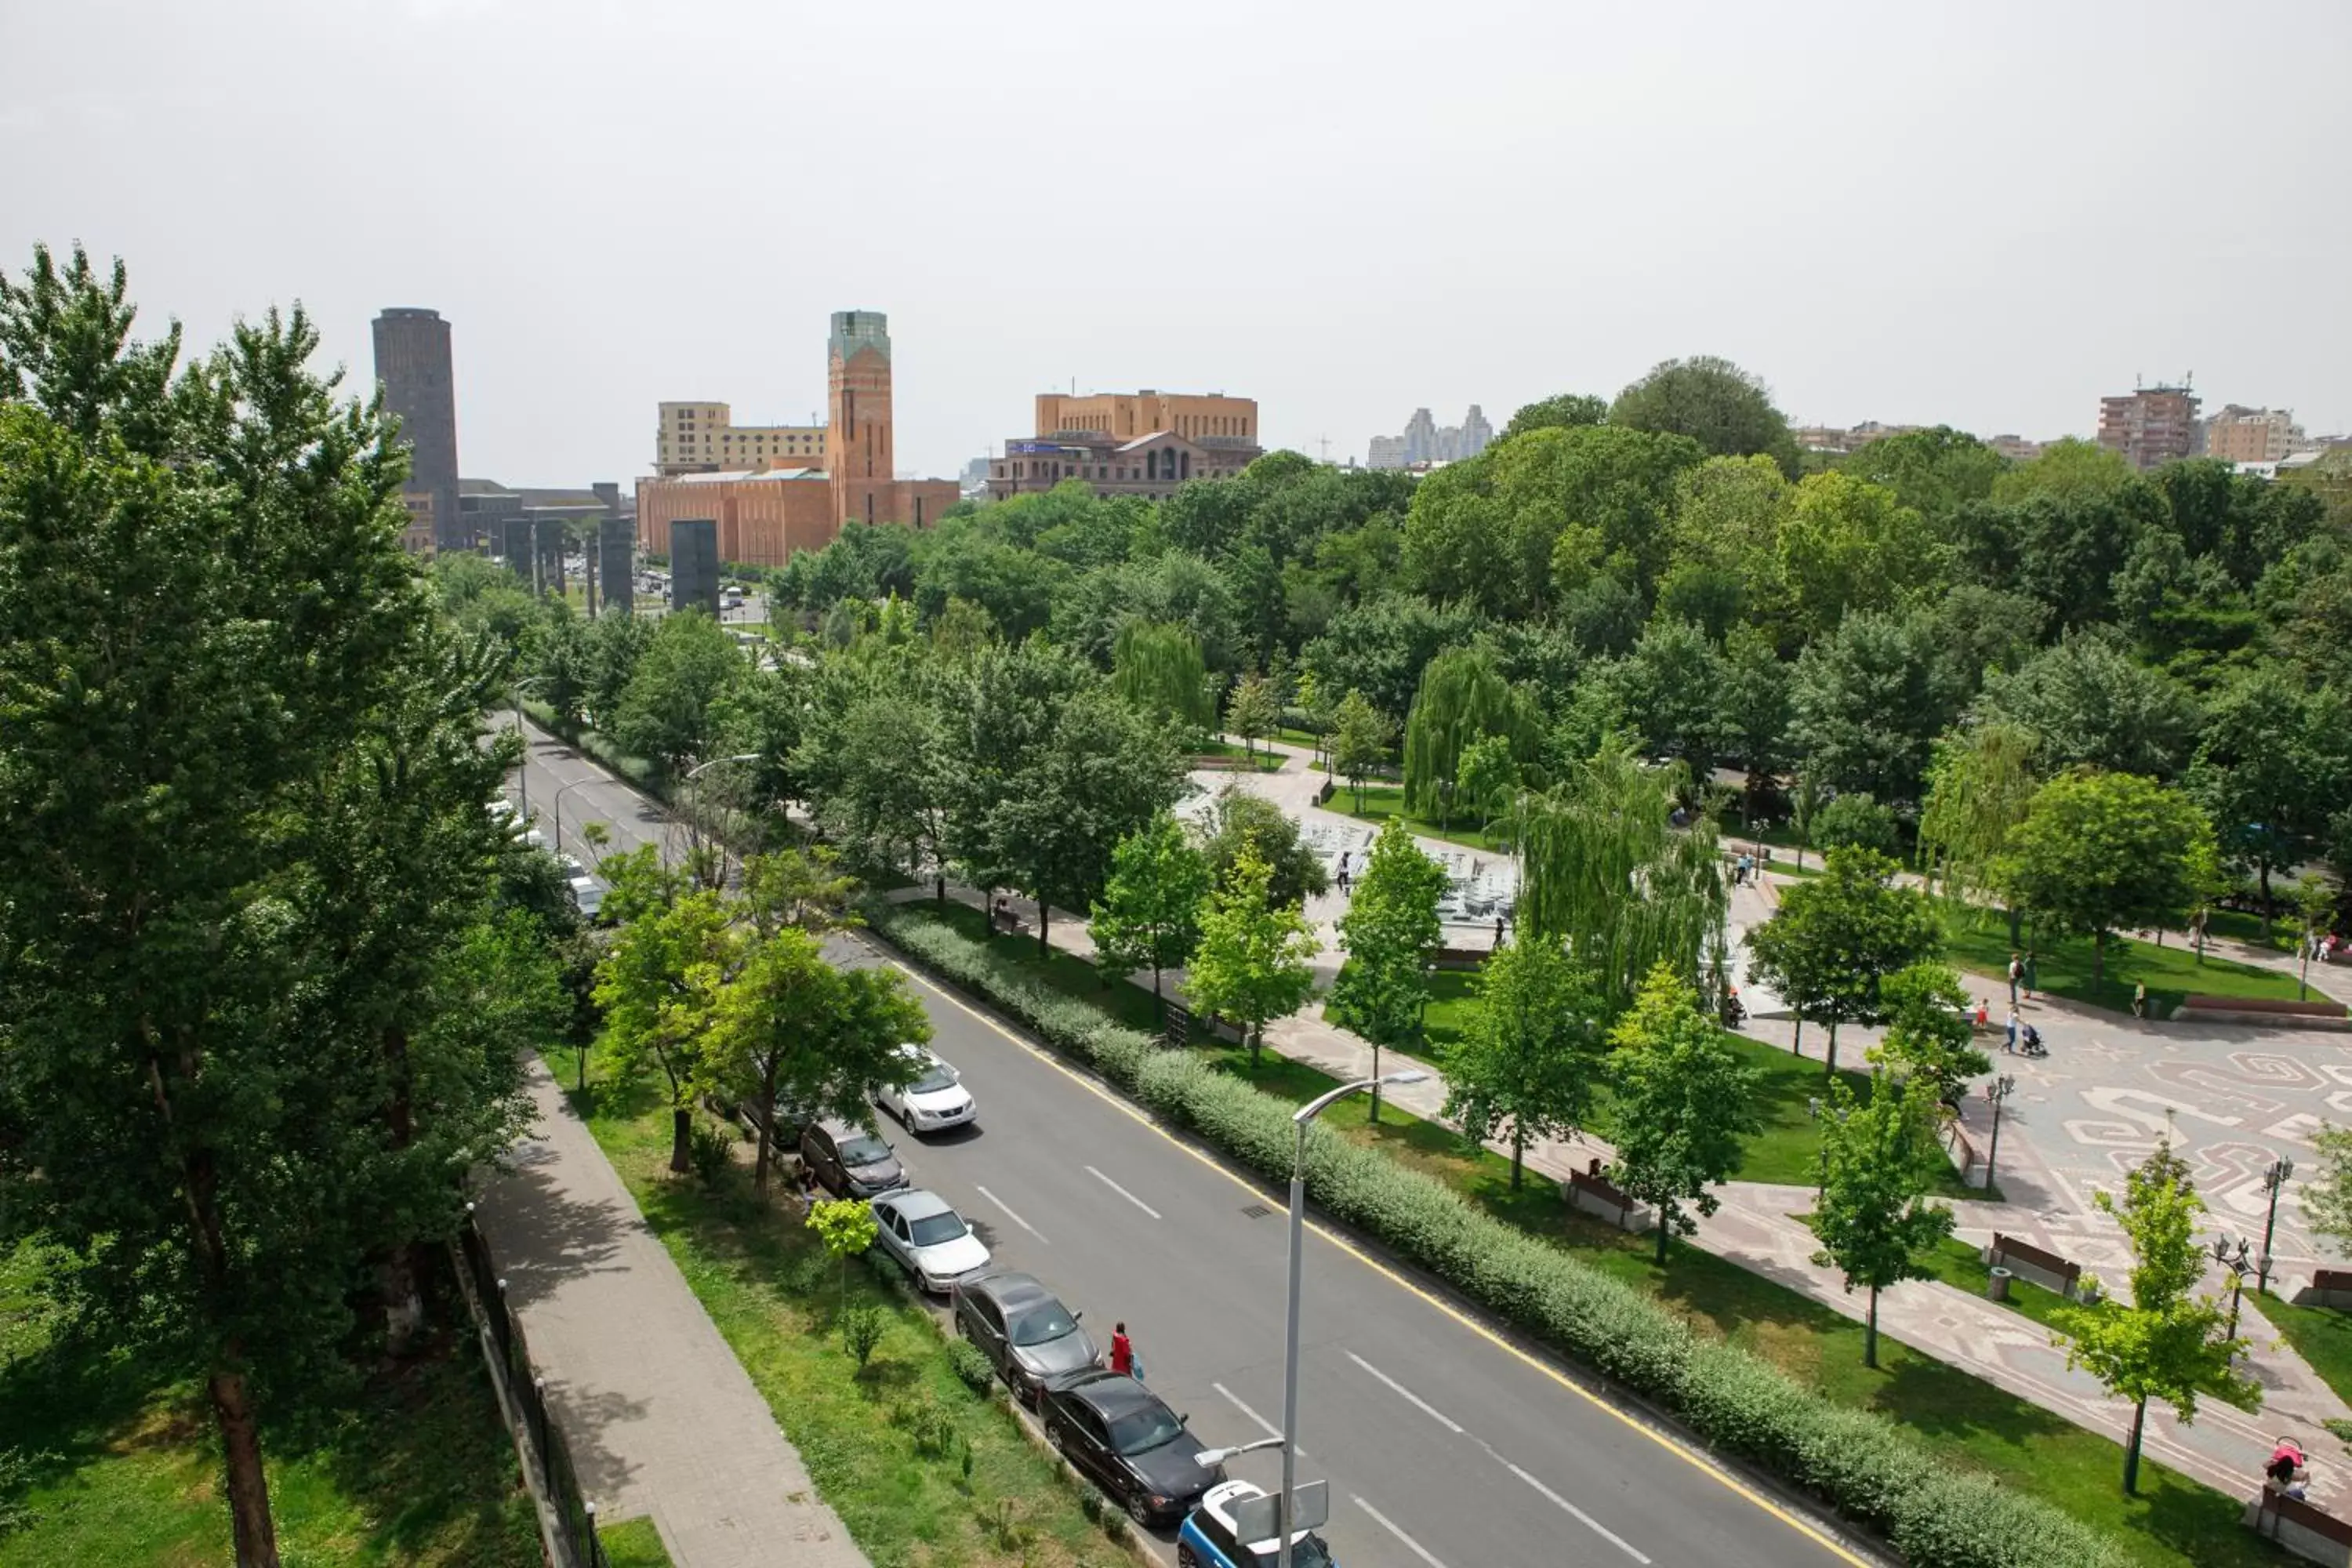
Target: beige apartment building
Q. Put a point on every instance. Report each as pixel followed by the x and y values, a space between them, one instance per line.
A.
pixel 2239 434
pixel 1141 444
pixel 2150 426
pixel 703 439
pixel 1128 414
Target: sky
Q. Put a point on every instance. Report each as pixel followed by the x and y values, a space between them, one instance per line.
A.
pixel 1985 214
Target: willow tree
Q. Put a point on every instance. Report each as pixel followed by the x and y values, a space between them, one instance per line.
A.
pixel 1462 699
pixel 1604 869
pixel 1979 789
pixel 1157 668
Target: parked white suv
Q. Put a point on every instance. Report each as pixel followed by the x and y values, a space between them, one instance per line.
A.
pixel 934 1100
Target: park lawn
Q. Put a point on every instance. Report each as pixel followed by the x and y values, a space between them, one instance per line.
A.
pixel 776 1297
pixel 2321 1335
pixel 1384 801
pixel 633 1544
pixel 1073 976
pixel 1978 942
pixel 1788 1148
pixel 2174 1522
pixel 124 1466
pixel 2237 925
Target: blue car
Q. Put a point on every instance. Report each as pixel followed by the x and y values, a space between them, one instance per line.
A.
pixel 1207 1540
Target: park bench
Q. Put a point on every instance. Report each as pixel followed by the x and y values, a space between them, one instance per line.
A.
pixel 2034 1264
pixel 2301 1527
pixel 1004 919
pixel 2328 1287
pixel 2321 1008
pixel 1594 1194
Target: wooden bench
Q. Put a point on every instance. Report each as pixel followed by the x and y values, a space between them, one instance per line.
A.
pixel 2320 1009
pixel 1006 919
pixel 2034 1264
pixel 2328 1287
pixel 1594 1194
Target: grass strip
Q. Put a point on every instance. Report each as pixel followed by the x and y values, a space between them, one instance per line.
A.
pixel 1978 942
pixel 886 1448
pixel 633 1544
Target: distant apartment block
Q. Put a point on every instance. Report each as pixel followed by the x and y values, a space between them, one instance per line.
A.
pixel 1831 439
pixel 2016 449
pixel 702 438
pixel 2239 434
pixel 412 360
pixel 1129 443
pixel 2150 426
pixel 1426 442
pixel 764 506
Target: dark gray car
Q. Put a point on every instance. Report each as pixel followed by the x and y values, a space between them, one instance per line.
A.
pixel 849 1162
pixel 1024 1330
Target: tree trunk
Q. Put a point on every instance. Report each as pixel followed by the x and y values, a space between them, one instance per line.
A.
pixel 2262 879
pixel 397 1274
pixel 1155 978
pixel 1665 1215
pixel 2131 1449
pixel 1870 1333
pixel 2016 928
pixel 939 889
pixel 681 1124
pixel 2098 956
pixel 1830 1069
pixel 248 1486
pixel 1519 1155
pixel 1045 948
pixel 767 1120
pixel 1257 1044
pixel 1796 1040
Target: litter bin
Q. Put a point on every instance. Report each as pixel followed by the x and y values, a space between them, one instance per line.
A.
pixel 1996 1286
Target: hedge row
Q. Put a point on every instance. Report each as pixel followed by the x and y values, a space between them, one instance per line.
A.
pixel 1858 1462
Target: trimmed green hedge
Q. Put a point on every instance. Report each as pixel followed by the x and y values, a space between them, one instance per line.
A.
pixel 1858 1462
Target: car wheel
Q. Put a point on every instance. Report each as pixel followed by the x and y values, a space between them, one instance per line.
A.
pixel 1139 1510
pixel 1184 1556
pixel 1059 1439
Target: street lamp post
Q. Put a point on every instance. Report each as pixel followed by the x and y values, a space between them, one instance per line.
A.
pixel 1997 1090
pixel 693 827
pixel 2236 1264
pixel 1299 1119
pixel 558 809
pixel 2276 1180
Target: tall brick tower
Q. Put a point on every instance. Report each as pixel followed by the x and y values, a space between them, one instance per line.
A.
pixel 858 452
pixel 412 360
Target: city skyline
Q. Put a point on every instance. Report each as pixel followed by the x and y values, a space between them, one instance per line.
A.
pixel 2014 316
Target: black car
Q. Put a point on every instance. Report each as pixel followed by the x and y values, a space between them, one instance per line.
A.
pixel 849 1162
pixel 1122 1435
pixel 1025 1331
pixel 790 1121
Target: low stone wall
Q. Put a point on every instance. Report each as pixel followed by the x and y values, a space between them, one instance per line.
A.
pixel 2300 1527
pixel 1592 1192
pixel 2328 1287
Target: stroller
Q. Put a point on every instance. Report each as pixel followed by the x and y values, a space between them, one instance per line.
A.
pixel 2029 1043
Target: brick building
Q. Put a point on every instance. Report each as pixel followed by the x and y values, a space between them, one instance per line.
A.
pixel 412 360
pixel 2239 434
pixel 1129 443
pixel 703 439
pixel 2150 426
pixel 765 510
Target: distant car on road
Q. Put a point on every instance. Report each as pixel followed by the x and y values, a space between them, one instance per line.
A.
pixel 934 1101
pixel 1125 1437
pixel 587 892
pixel 1209 1540
pixel 849 1162
pixel 519 828
pixel 1024 1330
pixel 928 1239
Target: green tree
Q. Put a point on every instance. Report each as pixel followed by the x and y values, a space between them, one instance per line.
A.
pixel 1683 1103
pixel 1980 788
pixel 1855 821
pixel 2327 1194
pixel 2315 910
pixel 1157 667
pixel 1251 713
pixel 1389 931
pixel 1849 545
pixel 2164 1343
pixel 1463 699
pixel 2088 702
pixel 1534 1054
pixel 1359 742
pixel 787 1027
pixel 1835 939
pixel 1252 962
pixel 210 647
pixel 1929 1034
pixel 1868 700
pixel 1754 699
pixel 1604 872
pixel 1488 778
pixel 877 772
pixel 2098 852
pixel 2274 760
pixel 1713 401
pixel 1872 1222
pixel 1671 687
pixel 1565 411
pixel 2066 469
pixel 658 983
pixel 1150 911
pixel 1240 823
pixel 848 1227
pixel 675 706
pixel 1934 471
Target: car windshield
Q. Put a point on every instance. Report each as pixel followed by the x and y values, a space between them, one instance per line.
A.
pixel 1141 1430
pixel 863 1150
pixel 934 1229
pixel 940 1077
pixel 1048 1323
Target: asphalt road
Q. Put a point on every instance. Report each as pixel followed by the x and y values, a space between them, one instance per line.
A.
pixel 1444 1445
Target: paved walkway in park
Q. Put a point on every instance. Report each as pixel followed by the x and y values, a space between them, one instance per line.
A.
pixel 660 1417
pixel 1758 1227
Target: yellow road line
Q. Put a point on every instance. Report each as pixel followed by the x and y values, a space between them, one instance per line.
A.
pixel 1794 1521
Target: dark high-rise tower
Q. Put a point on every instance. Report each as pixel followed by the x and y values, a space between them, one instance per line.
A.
pixel 411 360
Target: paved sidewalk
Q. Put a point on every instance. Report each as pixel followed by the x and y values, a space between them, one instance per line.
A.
pixel 1757 1227
pixel 659 1414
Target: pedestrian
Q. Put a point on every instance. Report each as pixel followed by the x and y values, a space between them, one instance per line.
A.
pixel 1122 1351
pixel 2140 1000
pixel 1499 931
pixel 2009 1044
pixel 2031 980
pixel 1984 1013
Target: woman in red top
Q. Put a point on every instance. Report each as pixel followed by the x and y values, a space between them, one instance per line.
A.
pixel 1122 1351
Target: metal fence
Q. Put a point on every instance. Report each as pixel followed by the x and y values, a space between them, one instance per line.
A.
pixel 547 1452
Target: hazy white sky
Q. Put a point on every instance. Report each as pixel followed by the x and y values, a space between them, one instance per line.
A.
pixel 1984 214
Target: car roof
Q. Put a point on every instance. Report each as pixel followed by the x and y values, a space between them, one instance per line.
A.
pixel 919 1205
pixel 1011 1289
pixel 838 1129
pixel 1109 1393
